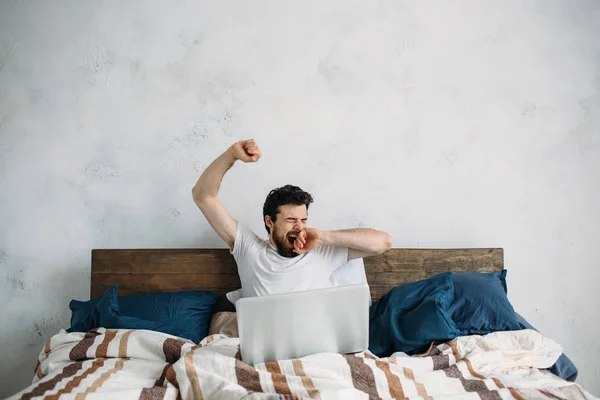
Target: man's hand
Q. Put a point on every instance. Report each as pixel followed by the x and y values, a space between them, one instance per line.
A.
pixel 309 239
pixel 361 242
pixel 246 151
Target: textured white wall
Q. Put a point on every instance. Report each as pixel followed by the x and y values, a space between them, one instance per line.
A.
pixel 448 124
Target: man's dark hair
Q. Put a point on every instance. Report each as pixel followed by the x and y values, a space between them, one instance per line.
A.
pixel 284 195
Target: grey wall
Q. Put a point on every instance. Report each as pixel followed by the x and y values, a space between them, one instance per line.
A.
pixel 448 124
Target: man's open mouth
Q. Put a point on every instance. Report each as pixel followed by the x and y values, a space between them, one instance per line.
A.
pixel 292 239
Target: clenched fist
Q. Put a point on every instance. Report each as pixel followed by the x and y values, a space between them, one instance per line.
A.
pixel 308 239
pixel 246 151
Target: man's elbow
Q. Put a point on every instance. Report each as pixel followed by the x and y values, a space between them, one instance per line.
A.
pixel 196 195
pixel 200 196
pixel 387 242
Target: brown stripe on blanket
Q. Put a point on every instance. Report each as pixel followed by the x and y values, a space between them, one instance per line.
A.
pixel 490 395
pixel 72 384
pixel 79 351
pixel 161 380
pixel 192 375
pixel 441 361
pixel 515 393
pixel 306 381
pixel 431 351
pixel 362 376
pixel 123 344
pixel 472 385
pixel 153 393
pixel 196 347
pixel 172 349
pixel 47 350
pixel 393 381
pixel 42 388
pixel 421 390
pixel 38 370
pixel 475 373
pixel 455 352
pixel 279 382
pixel 100 381
pixel 435 351
pixel 471 370
pixel 171 376
pixel 102 350
pixel 247 376
pixel 47 347
pixel 273 367
pixel 498 383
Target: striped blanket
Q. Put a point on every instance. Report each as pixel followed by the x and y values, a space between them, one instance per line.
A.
pixel 123 364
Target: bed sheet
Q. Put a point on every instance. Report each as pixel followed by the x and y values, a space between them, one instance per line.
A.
pixel 105 363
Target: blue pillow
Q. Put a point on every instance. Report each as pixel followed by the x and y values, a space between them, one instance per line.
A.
pixel 411 316
pixel 563 367
pixel 480 304
pixel 81 315
pixel 184 314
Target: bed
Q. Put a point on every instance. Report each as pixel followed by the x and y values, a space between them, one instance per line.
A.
pixel 135 363
pixel 163 270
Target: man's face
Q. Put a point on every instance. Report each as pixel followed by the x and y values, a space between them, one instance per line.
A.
pixel 290 221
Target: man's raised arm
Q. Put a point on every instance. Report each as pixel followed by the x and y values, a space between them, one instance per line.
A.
pixel 206 190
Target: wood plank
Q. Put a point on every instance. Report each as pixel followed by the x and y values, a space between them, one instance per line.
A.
pixel 99 289
pixel 399 266
pixel 435 260
pixel 154 283
pixel 164 270
pixel 162 261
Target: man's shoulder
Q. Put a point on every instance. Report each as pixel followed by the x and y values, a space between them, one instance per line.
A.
pixel 249 235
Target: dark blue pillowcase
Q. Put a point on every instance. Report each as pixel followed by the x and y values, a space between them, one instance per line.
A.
pixel 184 314
pixel 411 316
pixel 81 315
pixel 480 303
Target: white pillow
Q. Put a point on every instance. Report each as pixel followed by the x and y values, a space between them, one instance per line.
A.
pixel 234 296
pixel 351 273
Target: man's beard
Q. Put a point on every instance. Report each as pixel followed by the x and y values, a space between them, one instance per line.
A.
pixel 283 245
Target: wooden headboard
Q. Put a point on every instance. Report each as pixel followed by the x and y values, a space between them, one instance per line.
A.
pixel 165 270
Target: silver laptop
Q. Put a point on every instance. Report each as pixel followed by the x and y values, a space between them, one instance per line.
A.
pixel 293 325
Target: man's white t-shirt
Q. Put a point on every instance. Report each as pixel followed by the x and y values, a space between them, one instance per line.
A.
pixel 263 271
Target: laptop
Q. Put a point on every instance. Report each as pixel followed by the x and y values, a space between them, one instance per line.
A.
pixel 298 324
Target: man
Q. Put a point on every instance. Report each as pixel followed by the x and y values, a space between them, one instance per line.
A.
pixel 296 257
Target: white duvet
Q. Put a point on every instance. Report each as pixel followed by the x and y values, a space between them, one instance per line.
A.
pixel 123 364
